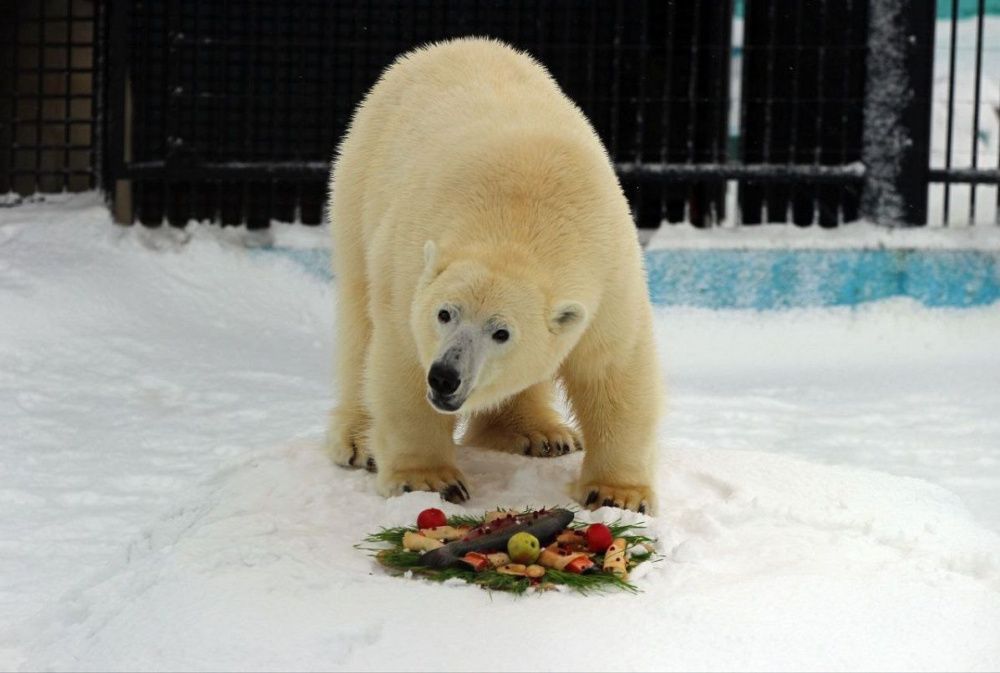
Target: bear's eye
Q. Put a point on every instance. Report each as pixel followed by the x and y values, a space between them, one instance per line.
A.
pixel 501 335
pixel 444 316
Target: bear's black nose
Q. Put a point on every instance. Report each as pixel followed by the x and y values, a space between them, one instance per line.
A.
pixel 443 379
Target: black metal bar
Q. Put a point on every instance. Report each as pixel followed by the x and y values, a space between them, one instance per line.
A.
pixel 237 170
pixel 53 70
pixel 845 90
pixel 695 196
pixel 591 53
pixel 58 96
pixel 767 149
pixel 693 81
pixel 114 113
pixel 616 78
pixel 70 17
pixel 11 151
pixel 897 112
pixel 665 102
pixel 803 198
pixel 59 147
pixel 40 110
pixel 57 122
pixel 720 112
pixel 197 86
pixel 640 111
pixel 68 87
pixel 796 76
pixel 972 176
pixel 52 172
pixel 975 106
pixel 952 49
pixel 41 43
pixel 850 173
pixel 98 95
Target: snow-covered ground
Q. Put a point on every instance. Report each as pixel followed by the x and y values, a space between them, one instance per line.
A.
pixel 830 482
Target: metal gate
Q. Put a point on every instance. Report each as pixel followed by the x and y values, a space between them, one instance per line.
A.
pixel 714 112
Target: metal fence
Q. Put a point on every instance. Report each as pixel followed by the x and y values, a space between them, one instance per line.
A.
pixel 966 132
pixel 715 113
pixel 48 82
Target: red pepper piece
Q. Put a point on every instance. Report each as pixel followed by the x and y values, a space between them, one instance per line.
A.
pixel 579 565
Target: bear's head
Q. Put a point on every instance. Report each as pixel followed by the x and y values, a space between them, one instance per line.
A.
pixel 486 331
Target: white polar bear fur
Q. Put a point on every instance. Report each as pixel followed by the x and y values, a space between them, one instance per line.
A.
pixel 468 151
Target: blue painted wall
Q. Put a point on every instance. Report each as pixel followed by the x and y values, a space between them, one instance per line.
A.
pixel 777 279
pixel 774 279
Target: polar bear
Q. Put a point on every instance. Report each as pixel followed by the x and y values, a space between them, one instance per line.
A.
pixel 483 250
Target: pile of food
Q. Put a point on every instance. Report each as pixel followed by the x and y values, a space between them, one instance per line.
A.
pixel 511 551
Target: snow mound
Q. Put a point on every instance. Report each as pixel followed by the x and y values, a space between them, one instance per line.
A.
pixel 770 562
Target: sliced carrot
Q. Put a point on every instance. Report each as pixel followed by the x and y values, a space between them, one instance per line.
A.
pixel 478 561
pixel 579 565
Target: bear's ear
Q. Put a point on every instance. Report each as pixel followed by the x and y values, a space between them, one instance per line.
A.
pixel 566 316
pixel 431 267
pixel 430 254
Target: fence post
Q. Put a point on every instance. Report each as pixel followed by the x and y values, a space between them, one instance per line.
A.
pixel 897 111
pixel 116 112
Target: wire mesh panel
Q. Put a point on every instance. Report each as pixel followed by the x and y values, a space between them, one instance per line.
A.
pixel 47 113
pixel 813 113
pixel 236 107
pixel 802 103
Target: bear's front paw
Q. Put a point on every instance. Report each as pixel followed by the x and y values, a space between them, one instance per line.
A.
pixel 347 440
pixel 351 453
pixel 446 480
pixel 540 441
pixel 637 498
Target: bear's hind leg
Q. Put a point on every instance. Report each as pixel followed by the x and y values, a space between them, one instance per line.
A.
pixel 525 424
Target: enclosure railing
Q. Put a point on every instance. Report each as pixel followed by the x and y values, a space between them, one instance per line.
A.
pixel 975 174
pixel 48 89
pixel 715 112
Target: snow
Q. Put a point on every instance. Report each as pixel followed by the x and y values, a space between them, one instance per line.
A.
pixel 830 483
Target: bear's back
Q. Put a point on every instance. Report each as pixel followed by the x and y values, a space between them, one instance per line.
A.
pixel 446 131
pixel 474 78
pixel 441 108
pixel 456 95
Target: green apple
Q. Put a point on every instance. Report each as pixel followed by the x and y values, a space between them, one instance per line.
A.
pixel 523 548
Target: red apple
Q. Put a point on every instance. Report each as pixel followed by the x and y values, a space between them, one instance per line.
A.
pixel 599 537
pixel 432 518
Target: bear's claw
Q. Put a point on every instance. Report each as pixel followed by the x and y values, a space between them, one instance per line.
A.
pixel 543 442
pixel 351 454
pixel 447 481
pixel 346 441
pixel 636 498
